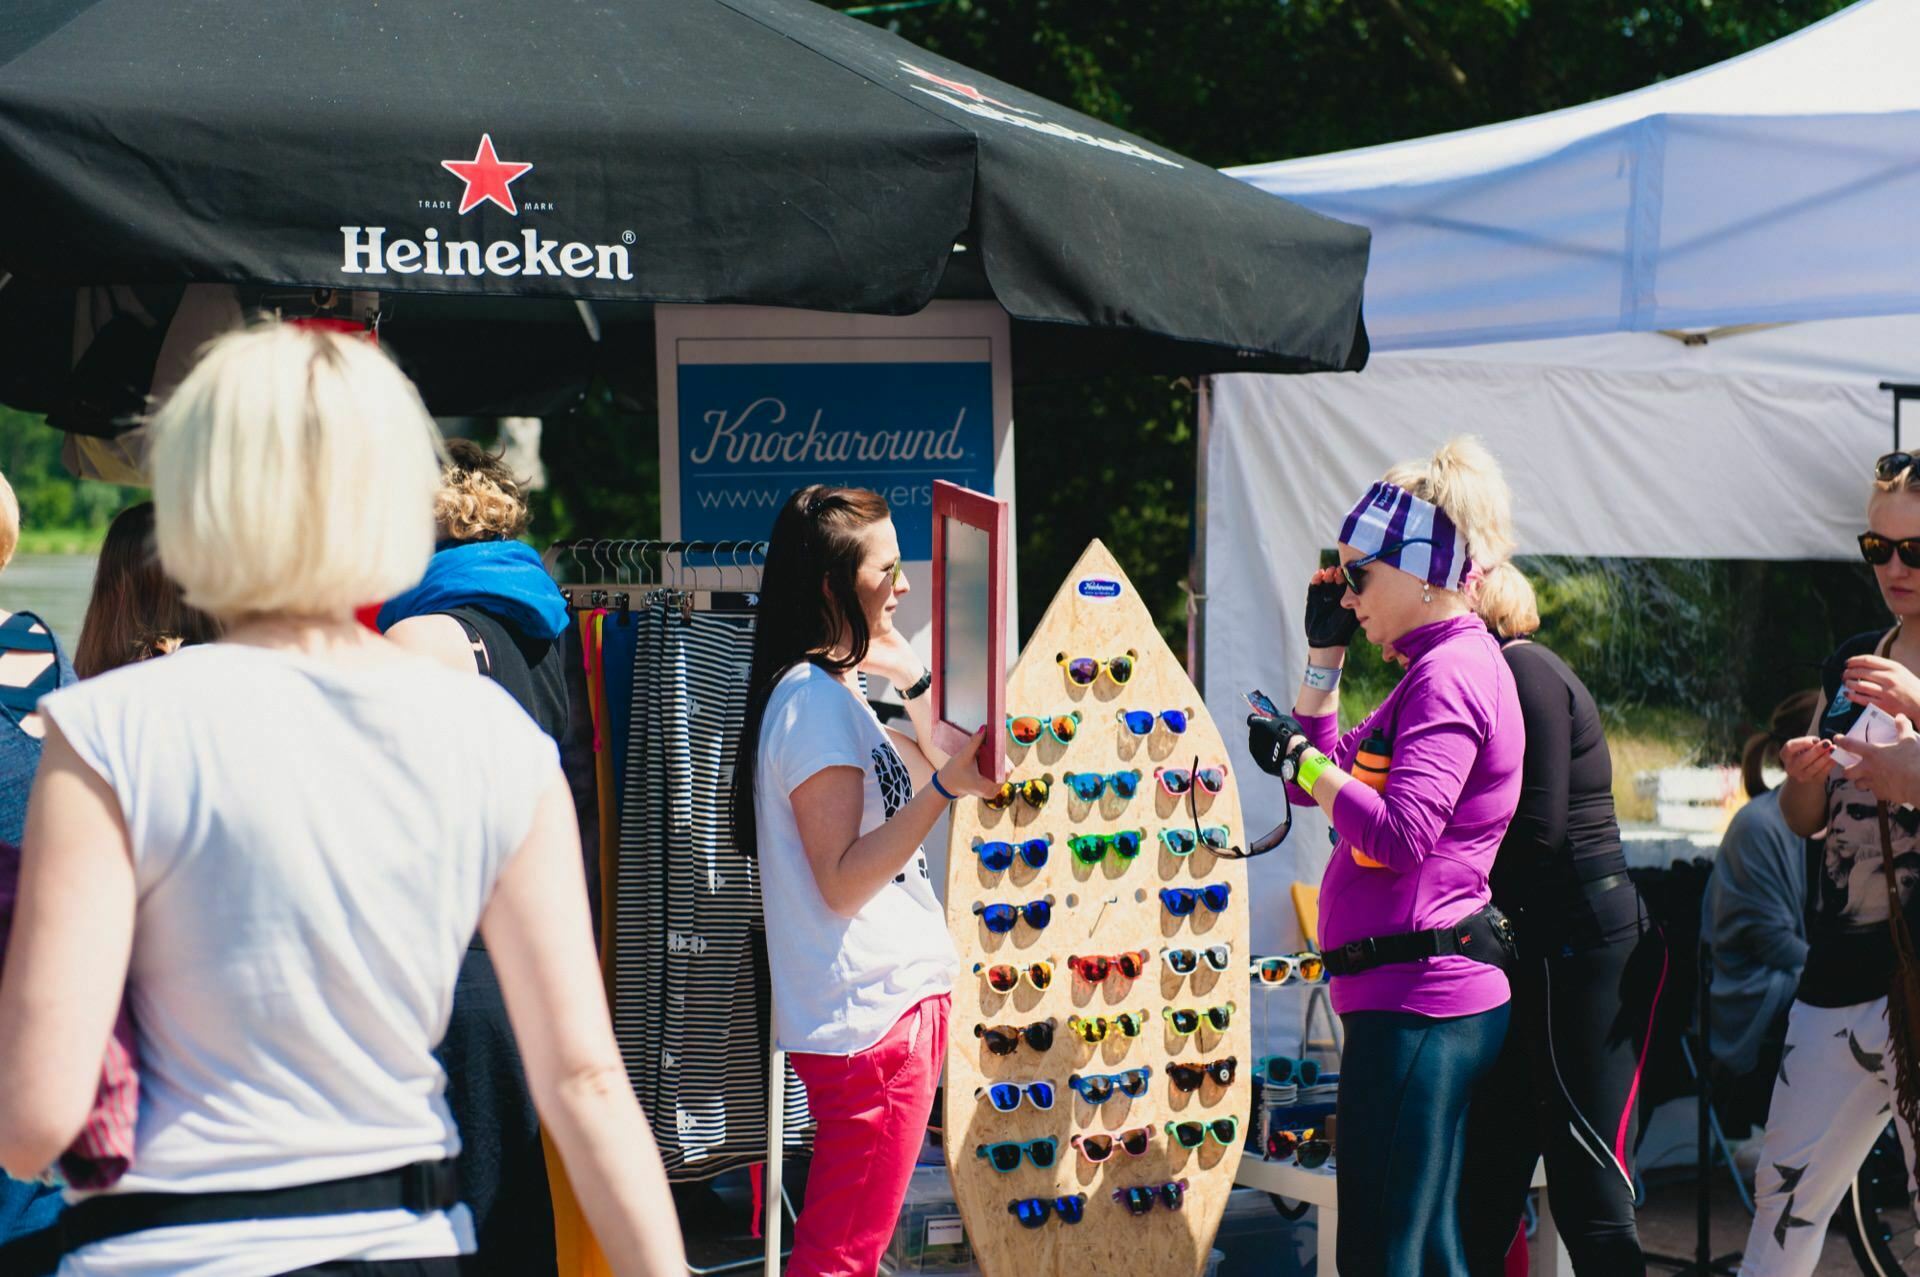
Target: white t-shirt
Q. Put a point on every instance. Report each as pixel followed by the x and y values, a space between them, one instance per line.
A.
pixel 312 846
pixel 839 983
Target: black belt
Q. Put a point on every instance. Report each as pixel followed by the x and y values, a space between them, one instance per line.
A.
pixel 1486 936
pixel 421 1188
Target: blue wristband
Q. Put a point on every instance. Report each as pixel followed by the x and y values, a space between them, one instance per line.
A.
pixel 942 789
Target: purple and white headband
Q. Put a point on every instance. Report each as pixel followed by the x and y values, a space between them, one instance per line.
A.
pixel 1425 542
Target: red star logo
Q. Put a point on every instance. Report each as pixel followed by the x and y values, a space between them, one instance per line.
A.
pixel 487 177
pixel 956 87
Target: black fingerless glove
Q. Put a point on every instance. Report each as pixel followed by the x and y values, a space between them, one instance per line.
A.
pixel 1272 741
pixel 1329 624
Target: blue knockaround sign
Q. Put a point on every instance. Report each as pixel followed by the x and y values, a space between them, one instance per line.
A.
pixel 750 434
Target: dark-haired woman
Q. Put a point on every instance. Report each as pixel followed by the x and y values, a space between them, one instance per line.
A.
pixel 136 612
pixel 836 806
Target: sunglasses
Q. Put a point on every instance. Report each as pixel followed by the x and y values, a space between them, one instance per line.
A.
pixel 1098 1088
pixel 1005 1157
pixel 1299 1146
pixel 1140 721
pixel 1095 967
pixel 1187 961
pixel 1004 1039
pixel 1283 1070
pixel 1181 900
pixel 1188 1077
pixel 1006 1096
pixel 1088 786
pixel 1032 1212
pixel 1005 978
pixel 997 857
pixel 1091 849
pixel 1223 1130
pixel 1879 550
pixel 1033 792
pixel 1355 573
pixel 1892 465
pixel 1083 670
pixel 1179 781
pixel 1184 842
pixel 1130 1024
pixel 1187 1021
pixel 1140 1198
pixel 1026 728
pixel 1098 1148
pixel 1000 918
pixel 1308 968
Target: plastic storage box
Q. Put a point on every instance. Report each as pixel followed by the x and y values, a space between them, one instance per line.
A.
pixel 929 1237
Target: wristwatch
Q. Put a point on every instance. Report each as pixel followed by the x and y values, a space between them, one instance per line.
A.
pixel 919 689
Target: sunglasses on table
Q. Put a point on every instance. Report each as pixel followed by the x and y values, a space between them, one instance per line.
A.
pixel 1091 849
pixel 1082 671
pixel 1140 1198
pixel 1308 968
pixel 1006 1096
pixel 1004 977
pixel 1179 781
pixel 998 856
pixel 1184 842
pixel 1180 901
pixel 1187 961
pixel 1096 1149
pixel 1034 793
pixel 1354 573
pixel 1128 1024
pixel 1187 1021
pixel 1027 728
pixel 1033 1212
pixel 1140 721
pixel 1004 1039
pixel 1879 550
pixel 1190 1135
pixel 999 919
pixel 1189 1077
pixel 1285 1070
pixel 1098 1088
pixel 1005 1156
pixel 1299 1146
pixel 1088 786
pixel 1095 967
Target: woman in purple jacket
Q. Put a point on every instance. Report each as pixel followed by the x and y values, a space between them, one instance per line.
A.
pixel 1415 949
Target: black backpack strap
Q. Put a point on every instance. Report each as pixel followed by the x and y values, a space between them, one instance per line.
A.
pixel 481 660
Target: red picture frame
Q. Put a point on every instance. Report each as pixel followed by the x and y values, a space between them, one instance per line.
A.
pixel 992 516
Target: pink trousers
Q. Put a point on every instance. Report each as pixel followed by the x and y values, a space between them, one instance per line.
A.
pixel 870 1113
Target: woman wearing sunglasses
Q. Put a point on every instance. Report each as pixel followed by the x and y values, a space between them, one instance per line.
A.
pixel 835 806
pixel 1838 1073
pixel 1583 987
pixel 1424 1015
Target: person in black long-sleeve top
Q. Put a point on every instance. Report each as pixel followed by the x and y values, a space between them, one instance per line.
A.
pixel 1581 1009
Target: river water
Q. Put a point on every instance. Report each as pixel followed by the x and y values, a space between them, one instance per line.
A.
pixel 54 585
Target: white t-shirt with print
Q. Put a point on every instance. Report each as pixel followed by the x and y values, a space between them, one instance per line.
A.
pixel 313 845
pixel 839 983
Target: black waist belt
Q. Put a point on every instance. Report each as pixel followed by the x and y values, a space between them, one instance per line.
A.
pixel 1486 936
pixel 422 1188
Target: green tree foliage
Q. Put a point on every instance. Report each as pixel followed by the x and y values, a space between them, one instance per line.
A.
pixel 50 500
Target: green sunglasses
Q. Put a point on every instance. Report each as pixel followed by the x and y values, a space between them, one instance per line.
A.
pixel 1091 849
pixel 1222 1130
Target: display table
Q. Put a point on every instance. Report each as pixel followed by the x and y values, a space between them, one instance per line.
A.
pixel 1548 1257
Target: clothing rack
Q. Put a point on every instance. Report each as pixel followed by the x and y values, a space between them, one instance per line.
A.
pixel 620 574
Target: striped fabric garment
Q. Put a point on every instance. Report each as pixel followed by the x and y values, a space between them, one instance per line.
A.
pixel 1413 535
pixel 689 1006
pixel 104 1149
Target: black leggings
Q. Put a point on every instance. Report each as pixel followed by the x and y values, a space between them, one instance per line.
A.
pixel 1405 1084
pixel 1569 1096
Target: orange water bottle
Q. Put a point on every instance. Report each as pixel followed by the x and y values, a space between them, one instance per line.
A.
pixel 1370 769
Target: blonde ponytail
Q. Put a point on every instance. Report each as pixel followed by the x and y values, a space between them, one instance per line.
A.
pixel 1504 599
pixel 1464 480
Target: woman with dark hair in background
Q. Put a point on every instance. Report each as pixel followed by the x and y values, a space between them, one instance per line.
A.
pixel 135 612
pixel 1584 988
pixel 835 806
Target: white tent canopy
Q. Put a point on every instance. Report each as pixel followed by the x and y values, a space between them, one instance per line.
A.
pixel 1653 209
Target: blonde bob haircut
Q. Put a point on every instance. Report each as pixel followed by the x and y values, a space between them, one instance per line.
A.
pixel 1463 479
pixel 294 472
pixel 1504 599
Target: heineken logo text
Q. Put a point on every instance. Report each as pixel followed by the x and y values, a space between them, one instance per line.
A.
pixel 367 250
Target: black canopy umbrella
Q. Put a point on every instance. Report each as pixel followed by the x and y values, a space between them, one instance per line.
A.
pixel 439 153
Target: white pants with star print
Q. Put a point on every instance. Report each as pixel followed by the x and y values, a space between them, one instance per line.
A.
pixel 1833 1097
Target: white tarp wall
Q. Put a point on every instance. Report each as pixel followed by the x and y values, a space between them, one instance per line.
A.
pixel 1755 445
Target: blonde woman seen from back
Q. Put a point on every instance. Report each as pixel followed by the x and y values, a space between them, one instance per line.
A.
pixel 280 844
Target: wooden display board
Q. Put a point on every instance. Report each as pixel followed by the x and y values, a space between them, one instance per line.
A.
pixel 1107 908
